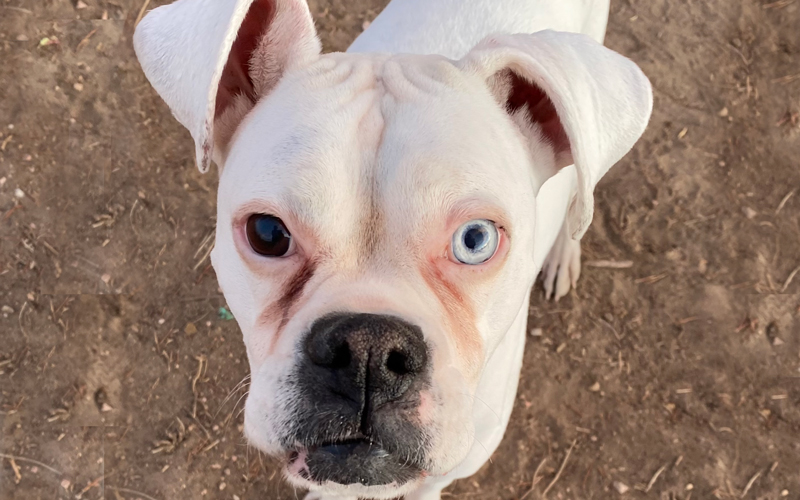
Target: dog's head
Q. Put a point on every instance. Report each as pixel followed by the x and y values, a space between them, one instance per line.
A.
pixel 376 214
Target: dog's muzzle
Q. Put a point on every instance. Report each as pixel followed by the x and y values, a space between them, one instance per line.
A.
pixel 356 414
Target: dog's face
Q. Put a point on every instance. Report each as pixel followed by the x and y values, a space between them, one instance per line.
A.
pixel 375 225
pixel 373 259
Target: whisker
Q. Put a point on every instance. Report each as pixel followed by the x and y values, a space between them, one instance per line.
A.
pixel 476 398
pixel 235 389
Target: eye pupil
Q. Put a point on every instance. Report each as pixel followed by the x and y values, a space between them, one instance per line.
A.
pixel 268 235
pixel 476 237
pixel 475 242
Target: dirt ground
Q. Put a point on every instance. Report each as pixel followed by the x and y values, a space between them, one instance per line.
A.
pixel 675 377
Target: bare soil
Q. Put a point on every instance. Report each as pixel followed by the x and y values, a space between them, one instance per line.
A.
pixel 677 377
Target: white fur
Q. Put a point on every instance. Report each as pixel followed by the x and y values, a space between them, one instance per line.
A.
pixel 418 139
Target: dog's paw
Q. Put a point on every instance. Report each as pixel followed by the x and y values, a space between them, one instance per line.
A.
pixel 562 268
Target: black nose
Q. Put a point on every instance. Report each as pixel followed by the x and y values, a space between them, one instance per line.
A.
pixel 368 359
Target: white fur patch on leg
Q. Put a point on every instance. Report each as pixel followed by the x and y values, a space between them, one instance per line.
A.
pixel 562 268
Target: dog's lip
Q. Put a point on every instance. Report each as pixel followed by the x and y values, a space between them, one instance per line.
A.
pixel 333 446
pixel 341 449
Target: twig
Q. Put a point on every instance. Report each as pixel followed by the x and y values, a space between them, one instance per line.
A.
pixel 141 13
pixel 536 479
pixel 560 470
pixel 783 201
pixel 93 484
pixel 750 483
pixel 132 492
pixel 655 478
pixel 789 279
pixel 30 461
pixel 202 363
pixel 17 475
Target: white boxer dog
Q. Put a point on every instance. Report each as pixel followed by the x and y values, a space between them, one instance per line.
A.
pixel 383 213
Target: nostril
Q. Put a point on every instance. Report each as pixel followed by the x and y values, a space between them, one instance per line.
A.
pixel 397 363
pixel 341 357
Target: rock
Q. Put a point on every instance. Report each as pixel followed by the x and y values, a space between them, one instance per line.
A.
pixel 621 488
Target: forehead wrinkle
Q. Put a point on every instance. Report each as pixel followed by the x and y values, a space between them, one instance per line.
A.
pixel 371 128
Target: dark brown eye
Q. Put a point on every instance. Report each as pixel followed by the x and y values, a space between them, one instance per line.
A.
pixel 268 235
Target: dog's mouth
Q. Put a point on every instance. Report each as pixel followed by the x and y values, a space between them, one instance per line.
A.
pixel 351 461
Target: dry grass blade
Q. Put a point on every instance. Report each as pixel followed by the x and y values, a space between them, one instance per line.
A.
pixel 779 4
pixel 132 492
pixel 610 264
pixel 649 280
pixel 560 470
pixel 655 478
pixel 750 483
pixel 783 201
pixel 787 79
pixel 141 13
pixel 206 246
pixel 789 279
pixel 535 480
pixel 30 461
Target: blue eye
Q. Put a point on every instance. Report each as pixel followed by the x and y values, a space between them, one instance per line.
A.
pixel 475 242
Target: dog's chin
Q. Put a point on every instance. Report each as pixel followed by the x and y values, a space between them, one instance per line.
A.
pixel 353 467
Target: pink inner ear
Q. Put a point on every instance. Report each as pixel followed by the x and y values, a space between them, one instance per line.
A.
pixel 235 78
pixel 540 110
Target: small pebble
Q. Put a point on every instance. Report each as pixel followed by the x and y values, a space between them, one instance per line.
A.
pixel 689 487
pixel 19 193
pixel 222 486
pixel 749 212
pixel 536 332
pixel 78 86
pixel 8 310
pixel 22 38
pixel 161 321
pixel 80 5
pixel 723 112
pixel 595 387
pixel 621 488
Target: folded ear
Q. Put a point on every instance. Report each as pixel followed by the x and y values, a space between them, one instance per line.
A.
pixel 586 101
pixel 211 60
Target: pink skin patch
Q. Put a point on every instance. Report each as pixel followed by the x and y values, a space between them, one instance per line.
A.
pixel 426 407
pixel 297 465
